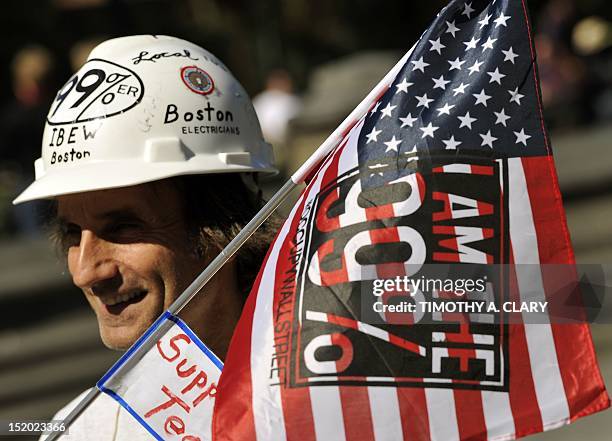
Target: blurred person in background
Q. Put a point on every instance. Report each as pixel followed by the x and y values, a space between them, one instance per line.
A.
pixel 34 79
pixel 276 105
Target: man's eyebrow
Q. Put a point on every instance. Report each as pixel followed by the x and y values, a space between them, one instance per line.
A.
pixel 121 214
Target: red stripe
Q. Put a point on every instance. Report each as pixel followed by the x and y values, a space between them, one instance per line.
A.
pixel 413 413
pixel 358 424
pixel 470 415
pixel 233 416
pixel 584 387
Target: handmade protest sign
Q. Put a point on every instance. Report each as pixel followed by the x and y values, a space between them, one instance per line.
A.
pixel 171 390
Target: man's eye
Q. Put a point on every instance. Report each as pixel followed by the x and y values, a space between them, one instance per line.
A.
pixel 123 227
pixel 71 235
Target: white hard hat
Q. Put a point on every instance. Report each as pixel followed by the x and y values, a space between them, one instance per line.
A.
pixel 144 108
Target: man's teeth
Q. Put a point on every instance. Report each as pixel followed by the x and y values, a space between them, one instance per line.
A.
pixel 110 301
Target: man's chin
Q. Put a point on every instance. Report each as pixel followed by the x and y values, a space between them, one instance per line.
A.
pixel 121 338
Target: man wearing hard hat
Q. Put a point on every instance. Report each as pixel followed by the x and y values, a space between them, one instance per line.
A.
pixel 151 153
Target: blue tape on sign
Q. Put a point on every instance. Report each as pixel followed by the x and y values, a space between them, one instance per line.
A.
pixel 132 412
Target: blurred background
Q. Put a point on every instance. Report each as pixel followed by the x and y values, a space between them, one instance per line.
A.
pixel 307 63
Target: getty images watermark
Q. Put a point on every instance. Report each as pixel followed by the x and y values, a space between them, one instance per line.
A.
pixel 490 294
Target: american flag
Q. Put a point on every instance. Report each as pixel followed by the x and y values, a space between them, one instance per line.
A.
pixel 452 164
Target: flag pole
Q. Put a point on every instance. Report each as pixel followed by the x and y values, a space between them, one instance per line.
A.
pixel 236 243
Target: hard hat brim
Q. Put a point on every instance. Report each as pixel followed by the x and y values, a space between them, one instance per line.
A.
pixel 104 175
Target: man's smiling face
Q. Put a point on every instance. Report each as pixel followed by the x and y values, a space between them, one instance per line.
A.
pixel 129 252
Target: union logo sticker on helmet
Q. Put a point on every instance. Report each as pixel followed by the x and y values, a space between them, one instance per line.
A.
pixel 197 80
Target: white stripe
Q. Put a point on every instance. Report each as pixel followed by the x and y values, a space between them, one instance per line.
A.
pixel 541 346
pixel 386 419
pixel 442 414
pixel 327 412
pixel 497 414
pixel 349 159
pixel 267 405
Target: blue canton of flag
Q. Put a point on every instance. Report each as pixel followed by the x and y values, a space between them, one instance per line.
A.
pixel 469 87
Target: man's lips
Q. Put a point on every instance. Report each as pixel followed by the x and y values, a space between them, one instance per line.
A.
pixel 117 303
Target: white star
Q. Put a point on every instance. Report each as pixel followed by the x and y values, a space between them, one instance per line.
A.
pixel 373 135
pixel 466 120
pixel 468 10
pixel 445 110
pixel 451 144
pixel 460 89
pixel 510 55
pixel 428 131
pixel 375 109
pixel 487 139
pixel 436 46
pixel 516 96
pixel 452 29
pixel 423 101
pixel 481 98
pixel 485 21
pixel 488 44
pixel 392 144
pixel 387 111
pixel 440 83
pixel 419 65
pixel 456 64
pixel 496 76
pixel 522 137
pixel 403 86
pixel 408 120
pixel 501 20
pixel 471 44
pixel 476 67
pixel 501 117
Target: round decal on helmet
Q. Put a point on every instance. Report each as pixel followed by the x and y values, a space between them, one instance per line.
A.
pixel 197 80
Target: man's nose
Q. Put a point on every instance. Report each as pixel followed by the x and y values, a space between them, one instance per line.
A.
pixel 91 263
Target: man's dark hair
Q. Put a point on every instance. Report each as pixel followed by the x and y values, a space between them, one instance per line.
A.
pixel 217 207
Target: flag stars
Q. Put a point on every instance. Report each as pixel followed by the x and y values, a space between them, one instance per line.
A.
pixel 451 143
pixel 509 55
pixel 488 44
pixel 423 101
pixel 428 131
pixel 451 28
pixel 476 67
pixel 522 137
pixel 403 86
pixel 467 10
pixel 392 144
pixel 408 120
pixel 515 96
pixel 373 135
pixel 502 118
pixel 466 120
pixel 456 64
pixel 496 76
pixel 419 65
pixel 501 20
pixel 481 98
pixel 375 108
pixel 387 111
pixel 471 44
pixel 440 83
pixel 487 139
pixel 445 110
pixel 436 46
pixel 485 21
pixel 460 89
